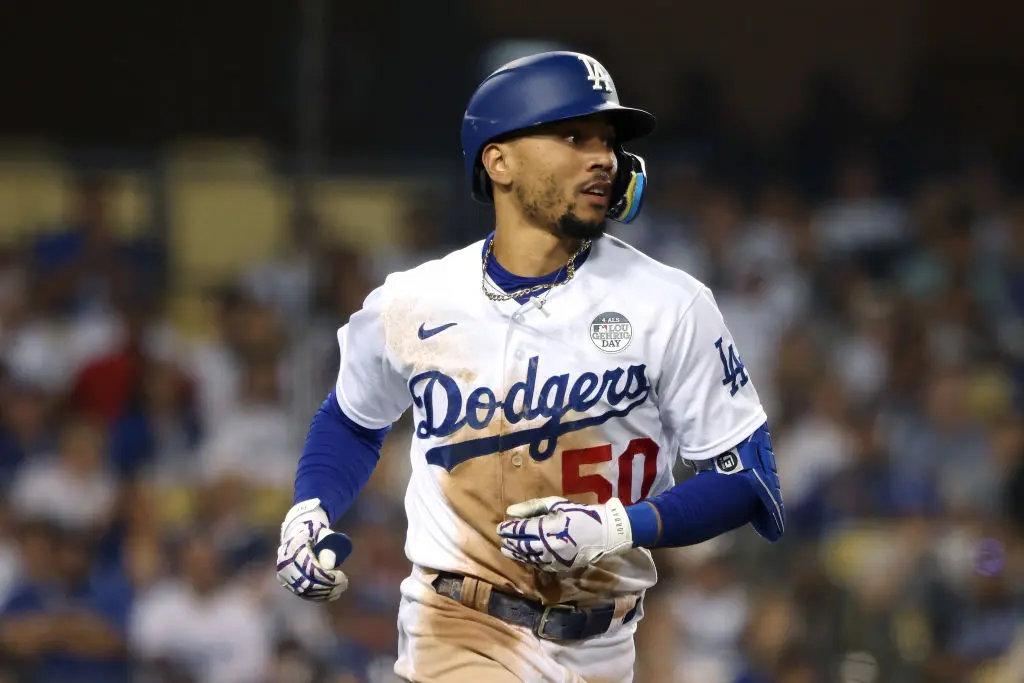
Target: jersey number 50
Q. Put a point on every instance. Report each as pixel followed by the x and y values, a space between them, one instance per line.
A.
pixel 573 482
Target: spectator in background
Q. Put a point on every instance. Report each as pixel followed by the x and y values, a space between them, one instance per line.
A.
pixel 825 608
pixel 797 667
pixel 315 351
pixel 293 663
pixel 667 224
pixel 35 570
pixel 861 354
pixel 24 429
pixel 984 189
pixel 1012 490
pixel 944 442
pixel 288 281
pixel 200 622
pixel 421 237
pixel 875 485
pixel 14 299
pixel 10 559
pixel 817 445
pixel 159 431
pixel 768 639
pixel 1009 269
pixel 251 333
pixel 104 387
pixel 364 652
pixel 80 268
pixel 74 487
pixel 860 223
pixel 777 231
pixel 257 442
pixel 1007 297
pixel 719 224
pixel 214 363
pixel 710 612
pixel 64 620
pixel 947 256
pixel 974 621
pixel 46 349
pixel 797 370
pixel 959 333
pixel 363 621
pixel 696 619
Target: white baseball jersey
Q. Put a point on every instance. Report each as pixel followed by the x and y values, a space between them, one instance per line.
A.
pixel 593 394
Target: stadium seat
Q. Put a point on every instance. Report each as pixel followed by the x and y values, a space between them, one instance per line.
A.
pixel 227 212
pixel 130 201
pixel 34 191
pixel 361 213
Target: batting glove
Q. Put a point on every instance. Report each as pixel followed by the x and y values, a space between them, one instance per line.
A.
pixel 557 535
pixel 299 568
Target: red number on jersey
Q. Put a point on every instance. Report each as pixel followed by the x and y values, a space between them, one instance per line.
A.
pixel 649 450
pixel 573 482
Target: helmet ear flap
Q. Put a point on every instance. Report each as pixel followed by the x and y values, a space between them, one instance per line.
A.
pixel 482 188
pixel 628 187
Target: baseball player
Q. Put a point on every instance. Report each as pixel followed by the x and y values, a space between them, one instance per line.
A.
pixel 555 375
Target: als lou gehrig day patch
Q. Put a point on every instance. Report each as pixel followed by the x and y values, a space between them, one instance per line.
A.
pixel 611 332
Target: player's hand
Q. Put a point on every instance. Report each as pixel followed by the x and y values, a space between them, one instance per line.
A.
pixel 301 569
pixel 557 535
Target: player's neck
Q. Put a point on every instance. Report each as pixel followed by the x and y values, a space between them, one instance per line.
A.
pixel 529 251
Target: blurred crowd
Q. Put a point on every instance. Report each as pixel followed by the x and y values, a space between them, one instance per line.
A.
pixel 145 472
pixel 885 338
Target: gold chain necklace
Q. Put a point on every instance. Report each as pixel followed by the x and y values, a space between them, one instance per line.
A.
pixel 570 271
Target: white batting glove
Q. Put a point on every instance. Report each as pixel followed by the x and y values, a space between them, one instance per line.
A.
pixel 298 567
pixel 557 535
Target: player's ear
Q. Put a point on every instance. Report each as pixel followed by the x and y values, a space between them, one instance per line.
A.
pixel 496 160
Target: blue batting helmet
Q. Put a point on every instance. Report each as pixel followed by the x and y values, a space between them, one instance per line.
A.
pixel 549 87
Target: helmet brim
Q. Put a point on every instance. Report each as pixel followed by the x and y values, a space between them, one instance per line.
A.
pixel 630 123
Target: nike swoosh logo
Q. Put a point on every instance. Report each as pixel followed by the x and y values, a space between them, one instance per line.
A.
pixel 427 334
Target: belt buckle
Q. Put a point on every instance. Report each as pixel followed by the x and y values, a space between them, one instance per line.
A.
pixel 548 609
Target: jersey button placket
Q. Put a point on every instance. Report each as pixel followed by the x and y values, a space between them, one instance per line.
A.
pixel 517 321
pixel 515 371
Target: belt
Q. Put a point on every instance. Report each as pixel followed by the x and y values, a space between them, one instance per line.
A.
pixel 549 622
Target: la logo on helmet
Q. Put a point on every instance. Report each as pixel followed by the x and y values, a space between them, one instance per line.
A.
pixel 597 74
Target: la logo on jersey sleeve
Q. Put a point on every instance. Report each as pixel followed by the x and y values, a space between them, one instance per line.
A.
pixel 732 365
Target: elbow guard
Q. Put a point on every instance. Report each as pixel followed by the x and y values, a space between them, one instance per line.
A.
pixel 754 460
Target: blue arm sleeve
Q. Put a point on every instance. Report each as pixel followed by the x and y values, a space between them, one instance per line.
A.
pixel 693 511
pixel 337 460
pixel 740 486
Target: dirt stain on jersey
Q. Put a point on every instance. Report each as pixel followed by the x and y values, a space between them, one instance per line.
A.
pixel 479 491
pixel 476 491
pixel 452 643
pixel 448 351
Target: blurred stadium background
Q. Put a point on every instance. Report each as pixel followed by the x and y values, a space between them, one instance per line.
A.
pixel 194 196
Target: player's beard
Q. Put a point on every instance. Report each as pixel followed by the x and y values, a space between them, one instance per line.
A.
pixel 567 224
pixel 571 225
